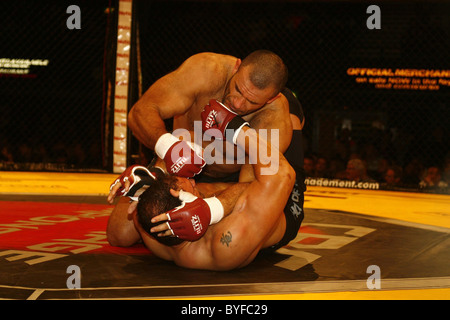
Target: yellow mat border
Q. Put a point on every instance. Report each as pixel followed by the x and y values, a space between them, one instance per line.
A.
pixel 411 294
pixel 426 209
pixel 422 208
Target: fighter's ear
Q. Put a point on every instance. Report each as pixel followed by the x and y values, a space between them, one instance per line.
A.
pixel 274 98
pixel 237 65
pixel 132 208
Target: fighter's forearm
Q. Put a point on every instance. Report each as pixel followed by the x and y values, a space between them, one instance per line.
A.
pixel 146 125
pixel 273 170
pixel 229 196
pixel 264 157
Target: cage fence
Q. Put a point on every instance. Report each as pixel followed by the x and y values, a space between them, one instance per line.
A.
pixel 380 95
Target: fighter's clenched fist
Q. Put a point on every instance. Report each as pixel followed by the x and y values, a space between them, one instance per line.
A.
pixel 182 158
pixel 191 219
pixel 216 115
pixel 132 182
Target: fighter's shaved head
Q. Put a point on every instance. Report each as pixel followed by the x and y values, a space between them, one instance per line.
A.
pixel 267 69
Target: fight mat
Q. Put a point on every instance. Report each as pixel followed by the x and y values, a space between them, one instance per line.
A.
pixel 353 244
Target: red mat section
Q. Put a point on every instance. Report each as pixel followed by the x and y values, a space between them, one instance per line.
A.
pixel 58 228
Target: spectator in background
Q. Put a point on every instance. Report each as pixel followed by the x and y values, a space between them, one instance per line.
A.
pixel 393 176
pixel 433 178
pixel 383 166
pixel 59 153
pixel 321 168
pixel 24 153
pixel 6 154
pixel 412 173
pixel 39 153
pixel 372 159
pixel 356 171
pixel 308 165
pixel 336 166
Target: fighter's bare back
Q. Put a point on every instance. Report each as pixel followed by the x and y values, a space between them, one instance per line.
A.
pixel 183 94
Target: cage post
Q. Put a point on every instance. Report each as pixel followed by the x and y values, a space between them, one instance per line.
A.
pixel 122 85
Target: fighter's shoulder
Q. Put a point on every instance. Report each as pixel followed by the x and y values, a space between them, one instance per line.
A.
pixel 207 71
pixel 210 62
pixel 282 103
pixel 271 115
pixel 275 116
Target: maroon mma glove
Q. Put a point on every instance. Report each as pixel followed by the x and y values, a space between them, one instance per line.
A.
pixel 216 115
pixel 191 220
pixel 182 158
pixel 140 179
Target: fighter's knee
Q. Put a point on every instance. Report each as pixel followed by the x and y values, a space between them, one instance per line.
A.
pixel 119 235
pixel 121 238
pixel 112 238
pixel 120 231
pixel 112 241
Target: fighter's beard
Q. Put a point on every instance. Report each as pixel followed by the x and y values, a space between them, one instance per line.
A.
pixel 226 93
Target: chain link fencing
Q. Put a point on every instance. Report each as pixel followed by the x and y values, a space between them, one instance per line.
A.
pixel 378 95
pixel 53 85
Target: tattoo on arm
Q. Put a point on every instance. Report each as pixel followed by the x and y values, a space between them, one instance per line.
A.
pixel 226 238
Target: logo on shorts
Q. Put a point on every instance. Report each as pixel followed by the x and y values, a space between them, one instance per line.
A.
pixel 196 224
pixel 296 209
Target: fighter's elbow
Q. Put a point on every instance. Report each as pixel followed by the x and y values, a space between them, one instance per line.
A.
pixel 283 179
pixel 116 241
pixel 286 175
pixel 131 119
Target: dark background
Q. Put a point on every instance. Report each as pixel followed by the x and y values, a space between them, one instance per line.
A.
pixel 57 118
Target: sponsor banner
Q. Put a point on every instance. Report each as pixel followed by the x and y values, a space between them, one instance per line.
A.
pixel 324 182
